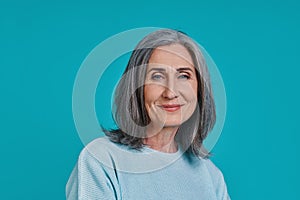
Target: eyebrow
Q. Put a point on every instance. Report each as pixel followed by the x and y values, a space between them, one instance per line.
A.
pixel 163 69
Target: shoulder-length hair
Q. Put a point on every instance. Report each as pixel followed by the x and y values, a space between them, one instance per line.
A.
pixel 130 113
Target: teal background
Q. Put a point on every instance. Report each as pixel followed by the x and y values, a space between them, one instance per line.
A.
pixel 255 45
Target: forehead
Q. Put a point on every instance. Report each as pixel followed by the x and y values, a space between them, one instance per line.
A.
pixel 174 55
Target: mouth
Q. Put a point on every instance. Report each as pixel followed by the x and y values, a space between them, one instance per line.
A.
pixel 170 107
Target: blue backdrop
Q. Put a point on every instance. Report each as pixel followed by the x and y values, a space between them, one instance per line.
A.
pixel 255 45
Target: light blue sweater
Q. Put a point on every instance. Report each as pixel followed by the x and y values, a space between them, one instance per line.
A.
pixel 106 170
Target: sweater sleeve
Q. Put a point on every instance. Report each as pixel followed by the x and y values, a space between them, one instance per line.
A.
pixel 221 188
pixel 90 180
pixel 218 181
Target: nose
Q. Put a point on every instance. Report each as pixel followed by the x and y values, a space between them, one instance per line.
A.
pixel 170 91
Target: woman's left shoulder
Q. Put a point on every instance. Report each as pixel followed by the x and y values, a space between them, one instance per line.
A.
pixel 211 167
pixel 217 179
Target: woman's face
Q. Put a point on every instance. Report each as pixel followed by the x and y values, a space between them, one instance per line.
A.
pixel 170 89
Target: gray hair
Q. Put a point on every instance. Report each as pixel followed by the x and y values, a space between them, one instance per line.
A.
pixel 131 115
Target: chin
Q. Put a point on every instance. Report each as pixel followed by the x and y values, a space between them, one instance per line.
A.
pixel 173 124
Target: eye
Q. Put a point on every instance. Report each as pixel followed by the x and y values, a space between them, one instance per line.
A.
pixel 184 76
pixel 157 76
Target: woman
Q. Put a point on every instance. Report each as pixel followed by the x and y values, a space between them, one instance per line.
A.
pixel 164 111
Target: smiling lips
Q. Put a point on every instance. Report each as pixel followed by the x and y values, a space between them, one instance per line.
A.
pixel 170 107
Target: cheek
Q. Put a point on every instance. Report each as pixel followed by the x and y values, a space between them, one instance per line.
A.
pixel 190 92
pixel 195 91
pixel 152 92
pixel 149 94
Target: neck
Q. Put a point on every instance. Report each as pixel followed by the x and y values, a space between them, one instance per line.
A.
pixel 163 141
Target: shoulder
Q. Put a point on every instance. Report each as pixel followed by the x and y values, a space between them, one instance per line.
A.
pixel 93 176
pixel 217 179
pixel 212 168
pixel 214 172
pixel 98 144
pixel 99 150
pixel 204 162
pixel 110 154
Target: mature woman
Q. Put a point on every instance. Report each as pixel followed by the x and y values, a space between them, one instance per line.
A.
pixel 164 111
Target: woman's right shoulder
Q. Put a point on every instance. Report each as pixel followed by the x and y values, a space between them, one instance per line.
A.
pixel 93 175
pixel 100 150
pixel 97 144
